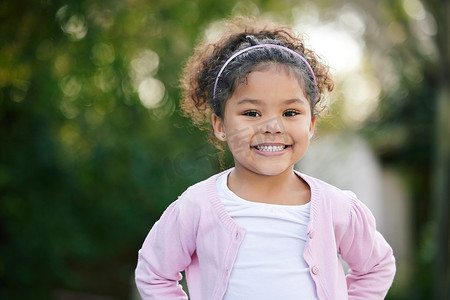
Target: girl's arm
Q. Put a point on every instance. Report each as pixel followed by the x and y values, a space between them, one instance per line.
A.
pixel 369 256
pixel 166 252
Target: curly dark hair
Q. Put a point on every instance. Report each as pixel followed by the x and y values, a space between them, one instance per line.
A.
pixel 202 68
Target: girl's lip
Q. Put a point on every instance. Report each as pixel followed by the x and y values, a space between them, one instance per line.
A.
pixel 269 144
pixel 272 152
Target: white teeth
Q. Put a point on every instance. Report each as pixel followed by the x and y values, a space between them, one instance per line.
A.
pixel 269 148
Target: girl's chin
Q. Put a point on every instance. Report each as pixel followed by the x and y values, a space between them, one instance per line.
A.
pixel 267 169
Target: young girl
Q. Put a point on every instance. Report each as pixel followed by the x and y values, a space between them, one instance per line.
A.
pixel 262 230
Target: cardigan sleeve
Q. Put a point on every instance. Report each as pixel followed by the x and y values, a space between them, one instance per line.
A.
pixel 369 256
pixel 166 252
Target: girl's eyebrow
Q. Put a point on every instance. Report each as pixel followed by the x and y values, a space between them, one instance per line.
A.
pixel 250 101
pixel 261 103
pixel 296 100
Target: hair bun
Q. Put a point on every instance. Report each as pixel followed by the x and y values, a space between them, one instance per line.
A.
pixel 252 40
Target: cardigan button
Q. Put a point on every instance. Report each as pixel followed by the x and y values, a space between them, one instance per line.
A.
pixel 315 270
pixel 311 234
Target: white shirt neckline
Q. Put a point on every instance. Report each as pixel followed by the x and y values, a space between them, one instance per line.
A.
pixel 222 183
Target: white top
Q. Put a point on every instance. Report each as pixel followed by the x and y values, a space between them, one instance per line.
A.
pixel 270 263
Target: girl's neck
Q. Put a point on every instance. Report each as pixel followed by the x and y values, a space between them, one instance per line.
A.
pixel 285 188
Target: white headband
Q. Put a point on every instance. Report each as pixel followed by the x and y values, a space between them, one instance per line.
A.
pixel 260 46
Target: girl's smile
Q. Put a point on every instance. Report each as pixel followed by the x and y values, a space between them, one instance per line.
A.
pixel 270 149
pixel 267 122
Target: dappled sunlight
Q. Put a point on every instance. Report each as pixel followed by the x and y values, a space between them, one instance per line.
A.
pixel 69 109
pixel 340 43
pixel 361 92
pixel 103 54
pixel 396 33
pixel 62 64
pixel 414 9
pixel 214 31
pixel 70 86
pixel 142 69
pixel 74 25
pixel 105 79
pixel 423 26
pixel 337 46
pixel 102 17
pixel 143 65
pixel 151 91
pixel 69 134
pixel 245 8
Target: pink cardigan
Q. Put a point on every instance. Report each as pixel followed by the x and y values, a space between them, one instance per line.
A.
pixel 196 234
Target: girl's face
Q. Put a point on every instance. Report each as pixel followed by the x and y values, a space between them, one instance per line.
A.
pixel 267 122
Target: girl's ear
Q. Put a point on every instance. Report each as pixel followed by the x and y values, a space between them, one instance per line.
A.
pixel 219 127
pixel 312 126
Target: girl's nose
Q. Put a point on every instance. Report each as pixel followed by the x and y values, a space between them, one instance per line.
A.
pixel 273 125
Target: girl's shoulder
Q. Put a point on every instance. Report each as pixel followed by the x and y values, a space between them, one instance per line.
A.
pixel 201 193
pixel 201 187
pixel 327 192
pixel 342 206
pixel 327 197
pixel 200 204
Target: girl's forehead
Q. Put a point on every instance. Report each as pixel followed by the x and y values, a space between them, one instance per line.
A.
pixel 268 71
pixel 270 81
pixel 276 67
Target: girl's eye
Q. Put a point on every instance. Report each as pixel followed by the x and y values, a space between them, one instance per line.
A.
pixel 252 113
pixel 290 113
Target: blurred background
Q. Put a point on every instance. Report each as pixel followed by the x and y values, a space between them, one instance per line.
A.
pixel 93 147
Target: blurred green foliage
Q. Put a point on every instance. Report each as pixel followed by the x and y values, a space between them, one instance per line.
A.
pixel 85 168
